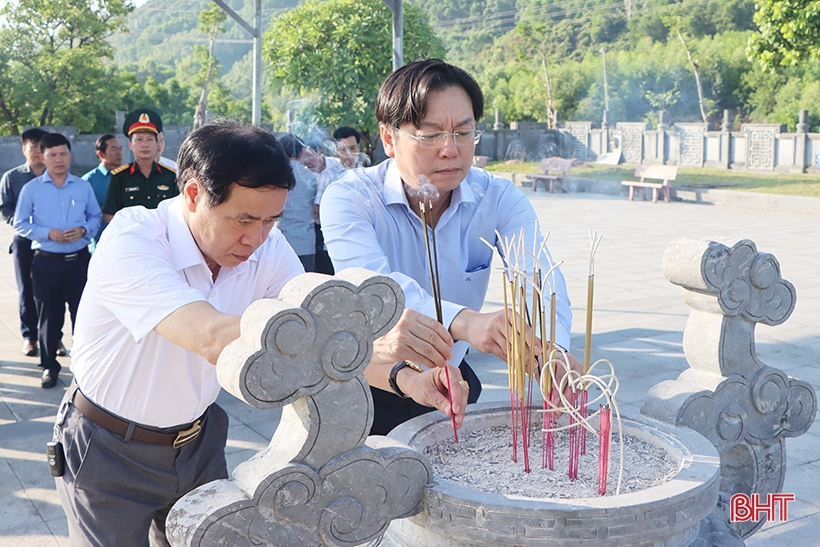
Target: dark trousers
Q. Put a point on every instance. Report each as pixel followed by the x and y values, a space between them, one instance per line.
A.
pixel 390 410
pixel 23 256
pixel 56 283
pixel 322 261
pixel 118 493
pixel 308 262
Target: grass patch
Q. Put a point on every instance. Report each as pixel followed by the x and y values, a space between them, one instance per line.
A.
pixel 794 184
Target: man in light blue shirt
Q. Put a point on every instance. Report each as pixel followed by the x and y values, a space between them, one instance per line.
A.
pixel 427 114
pixel 110 152
pixel 58 213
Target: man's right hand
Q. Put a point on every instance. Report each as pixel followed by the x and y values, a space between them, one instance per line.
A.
pixel 416 337
pixel 57 235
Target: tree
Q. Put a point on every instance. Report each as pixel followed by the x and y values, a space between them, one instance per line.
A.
pixel 789 32
pixel 53 69
pixel 340 51
pixel 536 41
pixel 212 24
pixel 675 24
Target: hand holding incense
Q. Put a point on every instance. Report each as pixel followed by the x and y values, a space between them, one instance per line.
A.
pixel 427 194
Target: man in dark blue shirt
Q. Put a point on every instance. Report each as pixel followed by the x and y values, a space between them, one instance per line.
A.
pixel 58 213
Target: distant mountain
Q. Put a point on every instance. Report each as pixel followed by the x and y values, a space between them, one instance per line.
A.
pixel 163 32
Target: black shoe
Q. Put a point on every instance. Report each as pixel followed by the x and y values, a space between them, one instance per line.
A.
pixel 61 351
pixel 49 379
pixel 30 348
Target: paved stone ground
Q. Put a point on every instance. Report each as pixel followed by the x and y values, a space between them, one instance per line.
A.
pixel 638 325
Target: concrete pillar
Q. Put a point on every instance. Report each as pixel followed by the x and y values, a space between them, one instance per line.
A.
pixel 726 140
pixel 801 141
pixel 662 127
pixel 499 121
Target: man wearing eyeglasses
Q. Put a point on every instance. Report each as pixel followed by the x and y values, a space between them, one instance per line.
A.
pixel 427 114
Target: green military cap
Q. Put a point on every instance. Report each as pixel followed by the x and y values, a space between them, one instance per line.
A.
pixel 142 119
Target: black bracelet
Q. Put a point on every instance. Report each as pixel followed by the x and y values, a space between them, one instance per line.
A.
pixel 395 372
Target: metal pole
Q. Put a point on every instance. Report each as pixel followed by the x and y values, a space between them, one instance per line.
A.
pixel 396 6
pixel 256 111
pixel 256 33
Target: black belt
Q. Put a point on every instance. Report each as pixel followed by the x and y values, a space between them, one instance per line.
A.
pixel 60 256
pixel 116 425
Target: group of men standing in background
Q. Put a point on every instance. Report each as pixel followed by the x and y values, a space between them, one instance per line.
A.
pixel 58 219
pixel 59 225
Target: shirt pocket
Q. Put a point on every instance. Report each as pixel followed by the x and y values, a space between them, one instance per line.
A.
pixel 478 276
pixel 76 213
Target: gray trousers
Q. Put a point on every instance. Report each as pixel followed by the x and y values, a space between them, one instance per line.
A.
pixel 117 493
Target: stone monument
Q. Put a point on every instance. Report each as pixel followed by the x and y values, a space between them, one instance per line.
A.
pixel 318 482
pixel 745 408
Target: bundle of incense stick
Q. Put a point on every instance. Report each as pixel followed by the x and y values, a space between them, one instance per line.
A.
pixel 522 330
pixel 561 393
pixel 426 193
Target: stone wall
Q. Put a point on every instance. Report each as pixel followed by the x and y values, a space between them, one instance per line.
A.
pixel 752 147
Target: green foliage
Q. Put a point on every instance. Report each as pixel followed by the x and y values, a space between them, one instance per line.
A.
pixel 174 102
pixel 789 32
pixel 340 51
pixel 163 32
pixel 53 68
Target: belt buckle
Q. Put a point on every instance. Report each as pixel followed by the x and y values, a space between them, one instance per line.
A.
pixel 72 256
pixel 184 437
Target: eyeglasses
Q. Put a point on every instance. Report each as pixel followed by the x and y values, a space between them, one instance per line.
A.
pixel 468 137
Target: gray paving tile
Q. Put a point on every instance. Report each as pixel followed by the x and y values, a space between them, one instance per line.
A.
pixel 37 534
pixel 16 511
pixel 242 437
pixel 795 533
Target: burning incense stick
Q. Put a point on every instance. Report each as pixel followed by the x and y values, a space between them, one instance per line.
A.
pixel 427 192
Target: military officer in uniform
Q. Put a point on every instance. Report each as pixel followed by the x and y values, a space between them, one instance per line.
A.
pixel 143 182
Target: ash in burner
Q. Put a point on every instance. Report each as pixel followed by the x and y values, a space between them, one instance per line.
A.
pixel 482 460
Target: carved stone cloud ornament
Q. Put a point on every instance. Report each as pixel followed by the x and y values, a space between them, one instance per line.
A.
pixel 743 406
pixel 317 483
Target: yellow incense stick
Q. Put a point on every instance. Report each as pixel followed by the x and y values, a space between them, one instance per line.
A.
pixel 588 340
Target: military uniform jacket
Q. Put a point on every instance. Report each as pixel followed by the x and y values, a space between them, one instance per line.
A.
pixel 129 187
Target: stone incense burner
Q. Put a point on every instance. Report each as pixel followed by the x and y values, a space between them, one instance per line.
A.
pixel 669 514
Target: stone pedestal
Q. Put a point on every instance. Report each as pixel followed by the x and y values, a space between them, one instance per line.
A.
pixel 746 408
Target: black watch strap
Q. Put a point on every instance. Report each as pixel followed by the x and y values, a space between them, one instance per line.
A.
pixel 395 372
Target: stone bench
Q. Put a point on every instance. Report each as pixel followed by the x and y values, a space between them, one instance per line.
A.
pixel 663 173
pixel 554 170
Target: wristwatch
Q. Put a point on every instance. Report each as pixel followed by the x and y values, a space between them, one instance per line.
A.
pixel 395 372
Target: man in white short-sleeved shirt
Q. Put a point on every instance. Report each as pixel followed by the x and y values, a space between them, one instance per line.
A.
pixel 165 293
